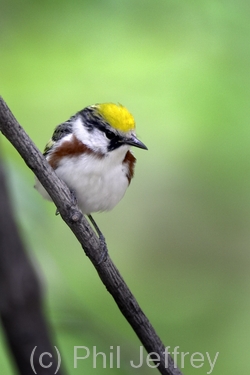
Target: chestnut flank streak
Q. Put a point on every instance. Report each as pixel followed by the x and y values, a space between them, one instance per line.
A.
pixel 74 147
pixel 130 160
pixel 71 148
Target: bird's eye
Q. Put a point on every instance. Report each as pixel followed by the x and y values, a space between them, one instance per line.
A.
pixel 109 134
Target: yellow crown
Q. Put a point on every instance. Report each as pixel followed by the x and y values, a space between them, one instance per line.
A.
pixel 117 116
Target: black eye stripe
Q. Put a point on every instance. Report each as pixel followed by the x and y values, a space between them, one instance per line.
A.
pixel 93 121
pixel 109 134
pixel 115 143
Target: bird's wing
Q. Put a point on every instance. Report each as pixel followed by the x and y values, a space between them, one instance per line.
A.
pixel 60 132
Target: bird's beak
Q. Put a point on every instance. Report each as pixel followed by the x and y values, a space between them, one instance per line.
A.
pixel 133 141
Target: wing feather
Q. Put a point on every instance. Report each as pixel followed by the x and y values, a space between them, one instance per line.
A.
pixel 60 132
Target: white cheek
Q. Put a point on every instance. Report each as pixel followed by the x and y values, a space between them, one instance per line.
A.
pixel 95 139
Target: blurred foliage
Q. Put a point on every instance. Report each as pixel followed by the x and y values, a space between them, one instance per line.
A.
pixel 181 235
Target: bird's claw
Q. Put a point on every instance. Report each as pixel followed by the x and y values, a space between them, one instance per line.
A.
pixel 73 197
pixel 104 249
pixel 102 241
pixel 74 200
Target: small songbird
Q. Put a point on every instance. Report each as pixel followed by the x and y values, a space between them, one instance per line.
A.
pixel 91 153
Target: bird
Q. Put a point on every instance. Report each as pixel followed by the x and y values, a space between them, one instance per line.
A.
pixel 91 153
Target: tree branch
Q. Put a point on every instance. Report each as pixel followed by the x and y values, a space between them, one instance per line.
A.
pixel 73 217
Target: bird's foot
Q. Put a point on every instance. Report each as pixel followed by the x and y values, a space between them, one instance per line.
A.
pixel 73 197
pixel 104 248
pixel 102 241
pixel 74 200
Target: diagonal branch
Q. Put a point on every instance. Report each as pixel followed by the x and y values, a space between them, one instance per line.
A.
pixel 73 217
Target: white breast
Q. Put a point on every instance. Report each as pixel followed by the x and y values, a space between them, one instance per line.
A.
pixel 98 183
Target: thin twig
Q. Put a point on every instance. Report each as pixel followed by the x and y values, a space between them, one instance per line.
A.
pixel 70 213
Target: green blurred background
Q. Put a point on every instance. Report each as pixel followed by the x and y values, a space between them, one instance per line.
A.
pixel 181 235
